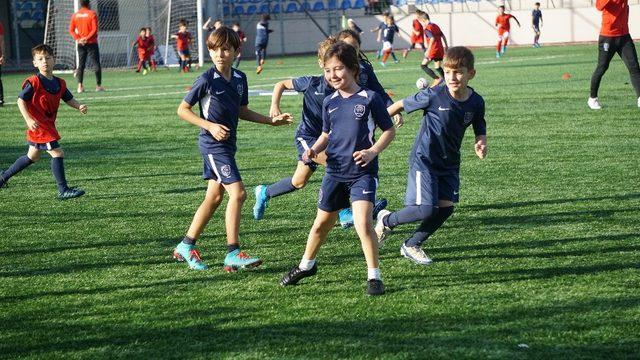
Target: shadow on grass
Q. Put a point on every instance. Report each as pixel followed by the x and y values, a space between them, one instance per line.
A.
pixel 517 204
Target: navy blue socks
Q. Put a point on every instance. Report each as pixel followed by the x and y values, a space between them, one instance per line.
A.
pixel 409 214
pixel 282 187
pixel 57 167
pixel 429 226
pixel 20 164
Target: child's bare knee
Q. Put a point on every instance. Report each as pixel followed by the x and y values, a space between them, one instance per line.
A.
pixel 213 198
pixel 298 183
pixel 238 196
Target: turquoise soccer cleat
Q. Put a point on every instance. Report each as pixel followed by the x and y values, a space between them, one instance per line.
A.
pixel 237 259
pixel 189 254
pixel 346 218
pixel 261 201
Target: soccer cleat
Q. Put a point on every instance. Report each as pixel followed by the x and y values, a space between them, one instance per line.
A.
pixel 99 88
pixel 405 52
pixel 415 254
pixel 383 64
pixel 594 104
pixel 296 274
pixel 185 252
pixel 144 72
pixel 261 201
pixel 497 55
pixel 639 102
pixel 503 50
pixel 239 260
pixel 375 287
pixel 70 193
pixel 261 62
pixel 259 69
pixel 80 89
pixel 396 61
pixel 381 230
pixel 346 218
pixel 380 205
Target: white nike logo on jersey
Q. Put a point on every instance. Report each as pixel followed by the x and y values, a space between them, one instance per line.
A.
pixel 443 109
pixel 332 110
pixel 219 92
pixel 366 192
pixel 318 93
pixel 456 192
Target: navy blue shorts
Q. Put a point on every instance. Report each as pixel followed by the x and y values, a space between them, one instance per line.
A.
pixel 301 141
pixel 221 168
pixel 424 187
pixel 536 29
pixel 184 52
pixel 335 195
pixel 45 146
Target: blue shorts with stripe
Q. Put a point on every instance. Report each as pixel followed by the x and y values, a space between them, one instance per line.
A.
pixel 334 195
pixel 185 52
pixel 45 146
pixel 426 187
pixel 221 168
pixel 302 141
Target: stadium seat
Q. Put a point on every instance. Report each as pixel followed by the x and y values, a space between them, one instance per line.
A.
pixel 241 1
pixel 346 5
pixel 38 16
pixel 251 9
pixel 318 6
pixel 332 4
pixel 24 16
pixel 226 11
pixel 305 6
pixel 275 9
pixel 291 8
pixel 26 6
pixel 264 8
pixel 39 5
pixel 359 4
pixel 238 10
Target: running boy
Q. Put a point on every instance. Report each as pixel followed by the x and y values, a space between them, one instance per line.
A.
pixel 221 93
pixel 435 49
pixel 434 162
pixel 503 25
pixel 262 40
pixel 152 50
pixel 38 103
pixel 417 33
pixel 536 23
pixel 183 40
pixel 243 39
pixel 142 43
pixel 350 116
pixel 388 33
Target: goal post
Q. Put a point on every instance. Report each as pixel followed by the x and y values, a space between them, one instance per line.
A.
pixel 119 23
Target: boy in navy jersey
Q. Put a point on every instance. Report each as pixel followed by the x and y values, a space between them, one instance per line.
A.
pixel 350 116
pixel 434 162
pixel 221 93
pixel 38 103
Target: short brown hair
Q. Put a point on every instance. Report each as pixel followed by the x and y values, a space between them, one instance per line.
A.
pixel 459 56
pixel 347 55
pixel 42 48
pixel 324 45
pixel 223 36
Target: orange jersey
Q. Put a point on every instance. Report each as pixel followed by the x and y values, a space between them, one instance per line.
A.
pixel 502 21
pixel 84 25
pixel 152 44
pixel 417 36
pixel 182 42
pixel 615 17
pixel 433 31
pixel 43 108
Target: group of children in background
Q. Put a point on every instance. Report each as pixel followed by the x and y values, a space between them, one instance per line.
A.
pixel 146 47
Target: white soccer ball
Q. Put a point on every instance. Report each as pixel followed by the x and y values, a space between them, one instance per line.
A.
pixel 422 83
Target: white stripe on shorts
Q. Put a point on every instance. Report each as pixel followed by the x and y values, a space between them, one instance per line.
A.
pixel 215 170
pixel 418 188
pixel 305 146
pixel 48 146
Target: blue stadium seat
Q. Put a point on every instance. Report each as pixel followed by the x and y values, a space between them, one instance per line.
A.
pixel 346 4
pixel 238 10
pixel 275 9
pixel 225 10
pixel 359 4
pixel 241 1
pixel 24 16
pixel 39 5
pixel 305 6
pixel 264 8
pixel 251 10
pixel 332 4
pixel 26 6
pixel 318 6
pixel 38 16
pixel 291 8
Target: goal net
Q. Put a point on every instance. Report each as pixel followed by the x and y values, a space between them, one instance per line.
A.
pixel 119 23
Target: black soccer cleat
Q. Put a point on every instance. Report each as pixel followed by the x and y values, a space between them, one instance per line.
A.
pixel 375 287
pixel 296 274
pixel 70 193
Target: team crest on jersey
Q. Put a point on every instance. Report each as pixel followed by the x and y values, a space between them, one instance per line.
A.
pixel 468 118
pixel 240 89
pixel 359 110
pixel 226 171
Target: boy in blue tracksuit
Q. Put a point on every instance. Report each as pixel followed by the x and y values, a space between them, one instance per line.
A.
pixel 262 40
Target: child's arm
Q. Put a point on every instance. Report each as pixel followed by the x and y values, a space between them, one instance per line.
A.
pixel 174 36
pixel 218 131
pixel 317 147
pixel 364 157
pixel 278 89
pixel 206 24
pixel 31 124
pixel 250 115
pixel 480 130
pixel 516 19
pixel 76 105
pixel 446 44
pixel 481 146
pixel 396 108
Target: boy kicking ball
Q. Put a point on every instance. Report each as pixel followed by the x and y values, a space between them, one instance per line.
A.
pixel 38 103
pixel 434 162
pixel 222 94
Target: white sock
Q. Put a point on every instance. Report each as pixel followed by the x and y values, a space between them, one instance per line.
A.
pixel 373 273
pixel 306 264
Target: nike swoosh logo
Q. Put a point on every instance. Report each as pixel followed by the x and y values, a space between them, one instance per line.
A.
pixel 219 92
pixel 443 109
pixel 366 192
pixel 332 110
pixel 318 93
pixel 456 192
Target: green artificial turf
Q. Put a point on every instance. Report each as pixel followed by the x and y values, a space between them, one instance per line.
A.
pixel 540 259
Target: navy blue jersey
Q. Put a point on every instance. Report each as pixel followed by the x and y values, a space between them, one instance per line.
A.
pixel 220 102
pixel 437 145
pixel 537 15
pixel 388 32
pixel 262 34
pixel 314 89
pixel 52 86
pixel 369 80
pixel 351 123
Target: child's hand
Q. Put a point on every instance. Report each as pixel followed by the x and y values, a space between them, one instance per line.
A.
pixel 481 149
pixel 32 124
pixel 398 120
pixel 274 111
pixel 364 157
pixel 82 108
pixel 219 132
pixel 282 119
pixel 308 155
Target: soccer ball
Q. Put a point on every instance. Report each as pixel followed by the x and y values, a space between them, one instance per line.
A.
pixel 422 83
